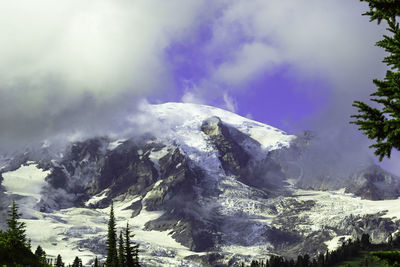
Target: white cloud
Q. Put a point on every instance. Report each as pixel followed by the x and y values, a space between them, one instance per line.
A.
pixel 191 97
pixel 230 103
pixel 102 47
pixel 317 39
pixel 78 64
pixel 249 61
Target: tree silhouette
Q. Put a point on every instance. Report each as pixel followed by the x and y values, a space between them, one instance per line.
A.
pixel 112 255
pixel 381 122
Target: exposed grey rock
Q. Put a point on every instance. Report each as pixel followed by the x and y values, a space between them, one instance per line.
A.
pixel 177 181
pixel 374 183
pixel 377 227
pixel 88 168
pixel 136 208
pixel 176 194
pixel 233 157
pixel 209 260
pixel 201 211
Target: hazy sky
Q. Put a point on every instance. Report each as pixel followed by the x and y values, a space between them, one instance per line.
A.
pixel 80 66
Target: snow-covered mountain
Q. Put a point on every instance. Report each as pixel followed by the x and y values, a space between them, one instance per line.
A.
pixel 199 186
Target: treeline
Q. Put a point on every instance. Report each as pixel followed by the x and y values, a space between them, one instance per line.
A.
pixel 15 248
pixel 125 255
pixel 346 251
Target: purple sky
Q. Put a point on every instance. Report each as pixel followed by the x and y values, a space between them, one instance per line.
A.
pixel 282 94
pixel 71 66
pixel 276 98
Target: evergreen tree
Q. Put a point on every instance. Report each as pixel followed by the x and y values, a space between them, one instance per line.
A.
pixel 121 252
pixel 321 260
pixel 39 252
pixel 16 229
pixel 382 9
pixel 112 255
pixel 365 241
pixel 128 248
pixel 382 123
pixel 136 255
pixel 96 263
pixel 59 262
pixel 77 262
pixel 131 252
pixel 13 248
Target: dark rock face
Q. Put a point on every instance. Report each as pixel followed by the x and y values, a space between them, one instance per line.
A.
pixel 136 208
pixel 174 185
pixel 187 229
pixel 233 157
pixel 89 167
pixel 127 168
pixel 314 171
pixel 377 227
pixel 79 154
pixel 176 195
pixel 58 178
pixel 211 260
pixel 235 160
pixel 374 183
pixel 176 182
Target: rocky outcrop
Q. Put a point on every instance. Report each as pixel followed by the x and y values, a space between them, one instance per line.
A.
pixel 176 194
pixel 232 156
pixel 246 204
pixel 377 227
pixel 89 167
pixel 127 168
pixel 374 183
pixel 176 182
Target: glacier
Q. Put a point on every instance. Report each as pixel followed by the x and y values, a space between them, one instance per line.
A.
pixel 242 193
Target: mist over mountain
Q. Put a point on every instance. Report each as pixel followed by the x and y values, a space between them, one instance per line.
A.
pixel 201 186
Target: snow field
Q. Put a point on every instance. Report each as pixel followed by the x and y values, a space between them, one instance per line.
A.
pixel 63 230
pixel 184 121
pixel 95 199
pixel 336 242
pixel 27 180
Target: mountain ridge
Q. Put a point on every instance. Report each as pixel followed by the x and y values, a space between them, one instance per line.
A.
pixel 214 185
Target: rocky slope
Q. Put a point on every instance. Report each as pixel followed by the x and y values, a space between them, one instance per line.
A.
pixel 202 186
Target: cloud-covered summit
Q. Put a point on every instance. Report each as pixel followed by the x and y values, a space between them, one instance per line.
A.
pixel 80 67
pixel 71 64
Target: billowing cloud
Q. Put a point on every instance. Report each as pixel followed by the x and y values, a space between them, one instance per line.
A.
pixel 324 41
pixel 230 103
pixel 250 60
pixel 68 65
pixel 73 66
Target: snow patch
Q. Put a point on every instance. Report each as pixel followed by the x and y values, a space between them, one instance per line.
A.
pixel 95 199
pixel 28 180
pixel 155 156
pixel 186 115
pixel 181 125
pixel 336 242
pixel 113 145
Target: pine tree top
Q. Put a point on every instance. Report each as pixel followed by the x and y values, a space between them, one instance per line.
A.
pixel 112 255
pixel 382 9
pixel 16 229
pixel 381 122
